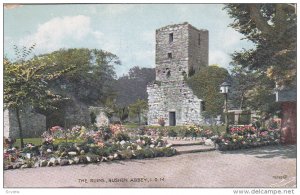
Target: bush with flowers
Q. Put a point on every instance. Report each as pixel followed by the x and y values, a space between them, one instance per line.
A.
pixel 241 137
pixel 81 145
pixel 179 131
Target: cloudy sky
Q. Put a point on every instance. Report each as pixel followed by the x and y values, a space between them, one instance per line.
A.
pixel 127 30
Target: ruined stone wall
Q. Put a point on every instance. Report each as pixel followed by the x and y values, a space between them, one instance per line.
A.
pixel 175 97
pixel 77 113
pixel 178 64
pixel 198 48
pixel 33 124
pixel 101 117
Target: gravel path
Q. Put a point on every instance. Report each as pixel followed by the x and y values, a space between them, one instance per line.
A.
pixel 272 166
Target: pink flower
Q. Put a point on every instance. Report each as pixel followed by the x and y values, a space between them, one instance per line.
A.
pixel 55 128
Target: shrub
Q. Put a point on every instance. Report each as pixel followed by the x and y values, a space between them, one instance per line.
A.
pixel 172 133
pixel 239 141
pixel 105 132
pixel 139 154
pixel 66 147
pixel 168 151
pixel 148 153
pixel 29 148
pixel 120 135
pixel 126 154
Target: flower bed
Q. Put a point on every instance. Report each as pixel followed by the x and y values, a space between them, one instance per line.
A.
pixel 176 131
pixel 247 137
pixel 80 145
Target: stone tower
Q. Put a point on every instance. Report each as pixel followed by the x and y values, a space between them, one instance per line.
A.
pixel 181 51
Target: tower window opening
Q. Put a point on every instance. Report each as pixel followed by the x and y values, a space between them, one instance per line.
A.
pixel 170 37
pixel 168 73
pixel 169 55
pixel 199 39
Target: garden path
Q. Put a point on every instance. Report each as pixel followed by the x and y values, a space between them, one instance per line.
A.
pixel 270 166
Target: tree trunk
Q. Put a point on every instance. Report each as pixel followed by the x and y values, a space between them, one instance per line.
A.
pixel 242 102
pixel 139 116
pixel 20 127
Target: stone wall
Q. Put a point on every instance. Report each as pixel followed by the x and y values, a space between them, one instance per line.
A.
pixel 173 97
pixel 178 64
pixel 181 49
pixel 198 48
pixel 33 124
pixel 76 113
pixel 101 117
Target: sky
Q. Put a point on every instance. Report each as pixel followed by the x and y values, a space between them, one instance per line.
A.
pixel 127 30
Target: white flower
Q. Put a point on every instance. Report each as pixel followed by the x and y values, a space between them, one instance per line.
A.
pixel 139 148
pixel 72 153
pixel 122 142
pixel 168 145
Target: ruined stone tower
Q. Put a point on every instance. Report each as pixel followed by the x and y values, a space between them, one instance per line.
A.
pixel 181 51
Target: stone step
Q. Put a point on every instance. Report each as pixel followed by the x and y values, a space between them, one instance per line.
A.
pixel 186 144
pixel 193 149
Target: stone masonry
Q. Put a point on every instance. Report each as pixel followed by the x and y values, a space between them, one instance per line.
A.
pixel 33 124
pixel 181 51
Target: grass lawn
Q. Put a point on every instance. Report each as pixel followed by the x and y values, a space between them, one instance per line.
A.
pixel 131 125
pixel 215 129
pixel 35 141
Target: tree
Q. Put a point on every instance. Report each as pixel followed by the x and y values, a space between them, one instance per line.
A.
pixel 133 86
pixel 137 108
pixel 251 89
pixel 26 83
pixel 206 86
pixel 272 28
pixel 112 109
pixel 91 81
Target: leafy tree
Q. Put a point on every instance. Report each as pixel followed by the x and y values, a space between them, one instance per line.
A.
pixel 137 108
pixel 112 109
pixel 93 75
pixel 26 83
pixel 122 113
pixel 133 86
pixel 206 85
pixel 272 28
pixel 251 89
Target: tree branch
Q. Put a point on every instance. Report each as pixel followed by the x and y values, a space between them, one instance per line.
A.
pixel 260 22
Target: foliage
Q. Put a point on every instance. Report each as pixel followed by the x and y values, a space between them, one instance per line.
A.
pixel 122 113
pixel 86 146
pixel 252 90
pixel 247 138
pixel 26 83
pixel 206 85
pixel 120 136
pixel 272 28
pixel 181 131
pixel 34 141
pixel 138 108
pixel 93 75
pixel 133 86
